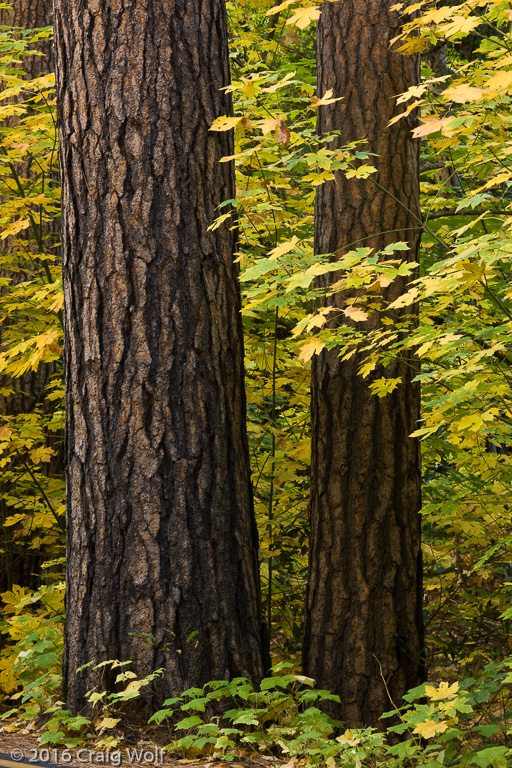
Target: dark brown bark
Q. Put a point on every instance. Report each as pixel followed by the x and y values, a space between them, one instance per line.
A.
pixel 161 534
pixel 364 629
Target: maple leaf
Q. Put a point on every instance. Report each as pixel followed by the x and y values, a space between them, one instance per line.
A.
pixel 304 16
pixel 15 227
pixel 41 454
pixel 413 92
pixel 406 299
pixel 286 247
pixel 268 125
pixel 503 80
pixel 277 8
pixel 360 173
pixel 404 114
pixel 219 220
pixel 109 722
pixel 444 691
pixel 224 123
pixel 286 80
pixel 318 178
pixel 463 93
pixel 326 99
pixel 414 44
pixel 473 422
pixel 355 313
pixel 313 347
pixel 432 125
pixel 460 25
pixel 349 739
pixel 283 132
pixel 429 728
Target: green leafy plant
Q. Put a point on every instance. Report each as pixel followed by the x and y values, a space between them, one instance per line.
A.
pixel 30 668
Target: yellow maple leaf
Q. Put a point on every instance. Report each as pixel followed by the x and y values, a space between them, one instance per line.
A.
pixel 15 227
pixel 360 173
pixel 414 44
pixel 304 16
pixel 437 15
pixel 280 250
pixel 13 598
pixel 249 89
pixel 42 454
pixel 473 422
pixel 404 114
pixel 432 125
pixel 219 220
pixel 133 687
pixel 12 109
pixel 109 722
pixel 286 80
pixel 429 728
pixel 412 93
pixel 501 81
pixel 406 299
pixel 238 155
pixel 460 25
pixel 442 341
pixel 268 125
pixel 318 178
pixel 355 313
pixel 276 8
pixel 349 739
pixel 57 303
pixel 313 347
pixel 326 99
pixel 424 348
pixel 463 93
pixel 499 178
pixel 225 123
pixel 444 691
pixel 46 81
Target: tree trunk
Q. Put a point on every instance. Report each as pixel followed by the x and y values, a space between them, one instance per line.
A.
pixel 162 543
pixel 29 14
pixel 364 628
pixel 32 14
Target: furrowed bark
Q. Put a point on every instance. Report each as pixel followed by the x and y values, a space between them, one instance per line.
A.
pixel 162 544
pixel 364 628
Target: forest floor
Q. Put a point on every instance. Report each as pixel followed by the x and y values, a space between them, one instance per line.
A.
pixel 25 750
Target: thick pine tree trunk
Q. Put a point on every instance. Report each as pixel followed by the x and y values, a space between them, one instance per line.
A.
pixel 162 544
pixel 364 629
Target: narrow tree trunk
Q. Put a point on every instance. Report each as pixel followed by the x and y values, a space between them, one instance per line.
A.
pixel 364 629
pixel 162 544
